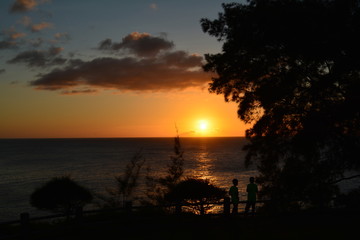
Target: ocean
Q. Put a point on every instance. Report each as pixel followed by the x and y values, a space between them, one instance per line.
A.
pixel 26 164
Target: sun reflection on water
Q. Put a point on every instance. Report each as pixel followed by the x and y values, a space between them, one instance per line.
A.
pixel 204 164
pixel 204 167
pixel 219 168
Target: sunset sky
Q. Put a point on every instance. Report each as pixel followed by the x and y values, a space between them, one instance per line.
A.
pixel 109 68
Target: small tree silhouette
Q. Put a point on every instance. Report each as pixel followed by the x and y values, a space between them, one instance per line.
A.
pixel 195 191
pixel 60 194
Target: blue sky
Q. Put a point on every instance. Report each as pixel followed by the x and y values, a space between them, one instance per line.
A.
pixel 88 22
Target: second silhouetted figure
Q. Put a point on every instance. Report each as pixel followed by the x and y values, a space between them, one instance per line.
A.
pixel 251 190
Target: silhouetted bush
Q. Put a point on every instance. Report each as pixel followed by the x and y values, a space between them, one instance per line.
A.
pixel 195 191
pixel 60 194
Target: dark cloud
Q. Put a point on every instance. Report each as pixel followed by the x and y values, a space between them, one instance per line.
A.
pixel 182 59
pixel 152 67
pixel 140 44
pixel 152 74
pixel 20 6
pixel 23 5
pixel 37 58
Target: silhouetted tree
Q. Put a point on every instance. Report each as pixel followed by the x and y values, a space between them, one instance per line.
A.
pixel 60 194
pixel 126 183
pixel 293 68
pixel 175 168
pixel 158 187
pixel 195 191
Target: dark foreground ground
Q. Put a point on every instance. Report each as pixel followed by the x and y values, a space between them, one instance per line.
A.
pixel 306 225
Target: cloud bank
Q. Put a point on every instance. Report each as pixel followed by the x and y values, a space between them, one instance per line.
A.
pixel 137 62
pixel 149 64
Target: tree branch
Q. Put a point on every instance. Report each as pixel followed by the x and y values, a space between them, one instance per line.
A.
pixel 345 178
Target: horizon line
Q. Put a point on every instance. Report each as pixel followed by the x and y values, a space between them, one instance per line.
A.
pixel 20 138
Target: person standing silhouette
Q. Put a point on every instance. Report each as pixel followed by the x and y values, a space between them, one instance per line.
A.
pixel 234 194
pixel 252 190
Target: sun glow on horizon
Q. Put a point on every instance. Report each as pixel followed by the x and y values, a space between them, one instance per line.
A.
pixel 203 127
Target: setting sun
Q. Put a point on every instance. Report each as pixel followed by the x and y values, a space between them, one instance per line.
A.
pixel 203 125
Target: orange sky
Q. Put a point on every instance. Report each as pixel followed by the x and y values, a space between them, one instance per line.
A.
pixel 78 69
pixel 36 114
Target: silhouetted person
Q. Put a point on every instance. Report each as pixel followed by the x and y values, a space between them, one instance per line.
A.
pixel 252 190
pixel 234 194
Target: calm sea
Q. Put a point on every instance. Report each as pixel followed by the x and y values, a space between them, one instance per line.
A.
pixel 26 164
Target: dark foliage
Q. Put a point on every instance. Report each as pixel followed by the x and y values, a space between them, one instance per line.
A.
pixel 293 68
pixel 195 191
pixel 60 194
